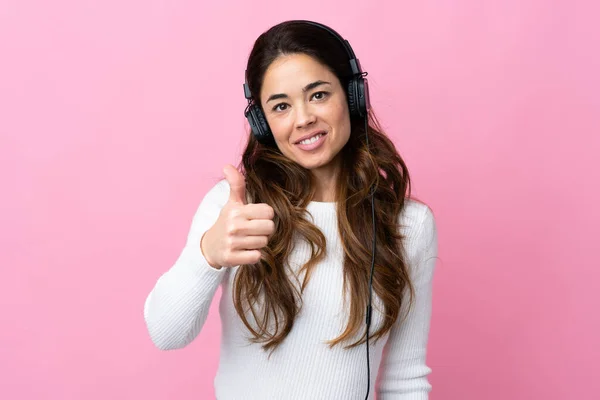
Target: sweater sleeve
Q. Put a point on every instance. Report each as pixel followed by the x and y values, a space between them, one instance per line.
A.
pixel 403 372
pixel 177 306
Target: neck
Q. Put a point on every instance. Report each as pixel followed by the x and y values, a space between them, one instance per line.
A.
pixel 326 182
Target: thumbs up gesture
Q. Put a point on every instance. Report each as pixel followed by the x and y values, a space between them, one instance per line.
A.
pixel 241 230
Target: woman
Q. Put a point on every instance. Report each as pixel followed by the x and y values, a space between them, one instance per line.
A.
pixel 289 240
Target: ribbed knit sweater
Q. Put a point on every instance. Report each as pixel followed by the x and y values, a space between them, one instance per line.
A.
pixel 303 366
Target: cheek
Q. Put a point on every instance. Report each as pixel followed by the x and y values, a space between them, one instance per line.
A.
pixel 280 128
pixel 341 119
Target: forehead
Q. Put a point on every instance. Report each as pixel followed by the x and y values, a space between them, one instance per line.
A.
pixel 291 72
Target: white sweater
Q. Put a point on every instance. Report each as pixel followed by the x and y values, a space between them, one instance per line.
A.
pixel 303 366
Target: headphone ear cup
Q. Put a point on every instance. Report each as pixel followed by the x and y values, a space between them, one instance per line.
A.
pixel 364 102
pixel 258 125
pixel 358 97
pixel 262 122
pixel 352 98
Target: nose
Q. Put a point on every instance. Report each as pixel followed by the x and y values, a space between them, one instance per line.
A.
pixel 304 117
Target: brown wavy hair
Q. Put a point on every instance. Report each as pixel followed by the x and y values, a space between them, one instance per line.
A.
pixel 264 290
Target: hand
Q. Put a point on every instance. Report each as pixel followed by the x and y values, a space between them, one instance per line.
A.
pixel 241 230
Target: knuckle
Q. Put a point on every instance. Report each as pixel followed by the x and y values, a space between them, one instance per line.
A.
pixel 270 211
pixel 235 212
pixel 229 243
pixel 231 229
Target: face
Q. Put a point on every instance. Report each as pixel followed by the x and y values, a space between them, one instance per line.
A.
pixel 305 106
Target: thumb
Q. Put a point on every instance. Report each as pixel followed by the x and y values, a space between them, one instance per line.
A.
pixel 237 184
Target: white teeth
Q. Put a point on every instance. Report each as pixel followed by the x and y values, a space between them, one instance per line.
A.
pixel 312 139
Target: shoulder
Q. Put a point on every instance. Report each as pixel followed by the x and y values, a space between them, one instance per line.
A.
pixel 416 217
pixel 217 194
pixel 213 200
pixel 418 226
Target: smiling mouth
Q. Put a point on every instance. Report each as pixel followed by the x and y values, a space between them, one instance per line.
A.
pixel 312 139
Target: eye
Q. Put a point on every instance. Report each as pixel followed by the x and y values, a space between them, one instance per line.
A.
pixel 320 95
pixel 279 107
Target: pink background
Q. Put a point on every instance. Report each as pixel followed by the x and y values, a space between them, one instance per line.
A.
pixel 117 116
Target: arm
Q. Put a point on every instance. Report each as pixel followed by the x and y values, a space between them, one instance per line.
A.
pixel 177 307
pixel 403 372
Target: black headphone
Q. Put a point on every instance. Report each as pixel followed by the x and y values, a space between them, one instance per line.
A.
pixel 357 93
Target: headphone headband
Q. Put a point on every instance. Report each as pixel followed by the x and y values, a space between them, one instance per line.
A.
pixel 354 64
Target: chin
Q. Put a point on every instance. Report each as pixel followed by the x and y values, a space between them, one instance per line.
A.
pixel 313 165
pixel 308 163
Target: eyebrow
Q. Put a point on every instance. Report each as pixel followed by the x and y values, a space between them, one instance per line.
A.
pixel 306 88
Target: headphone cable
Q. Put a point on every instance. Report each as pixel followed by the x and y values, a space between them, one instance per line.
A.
pixel 369 306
